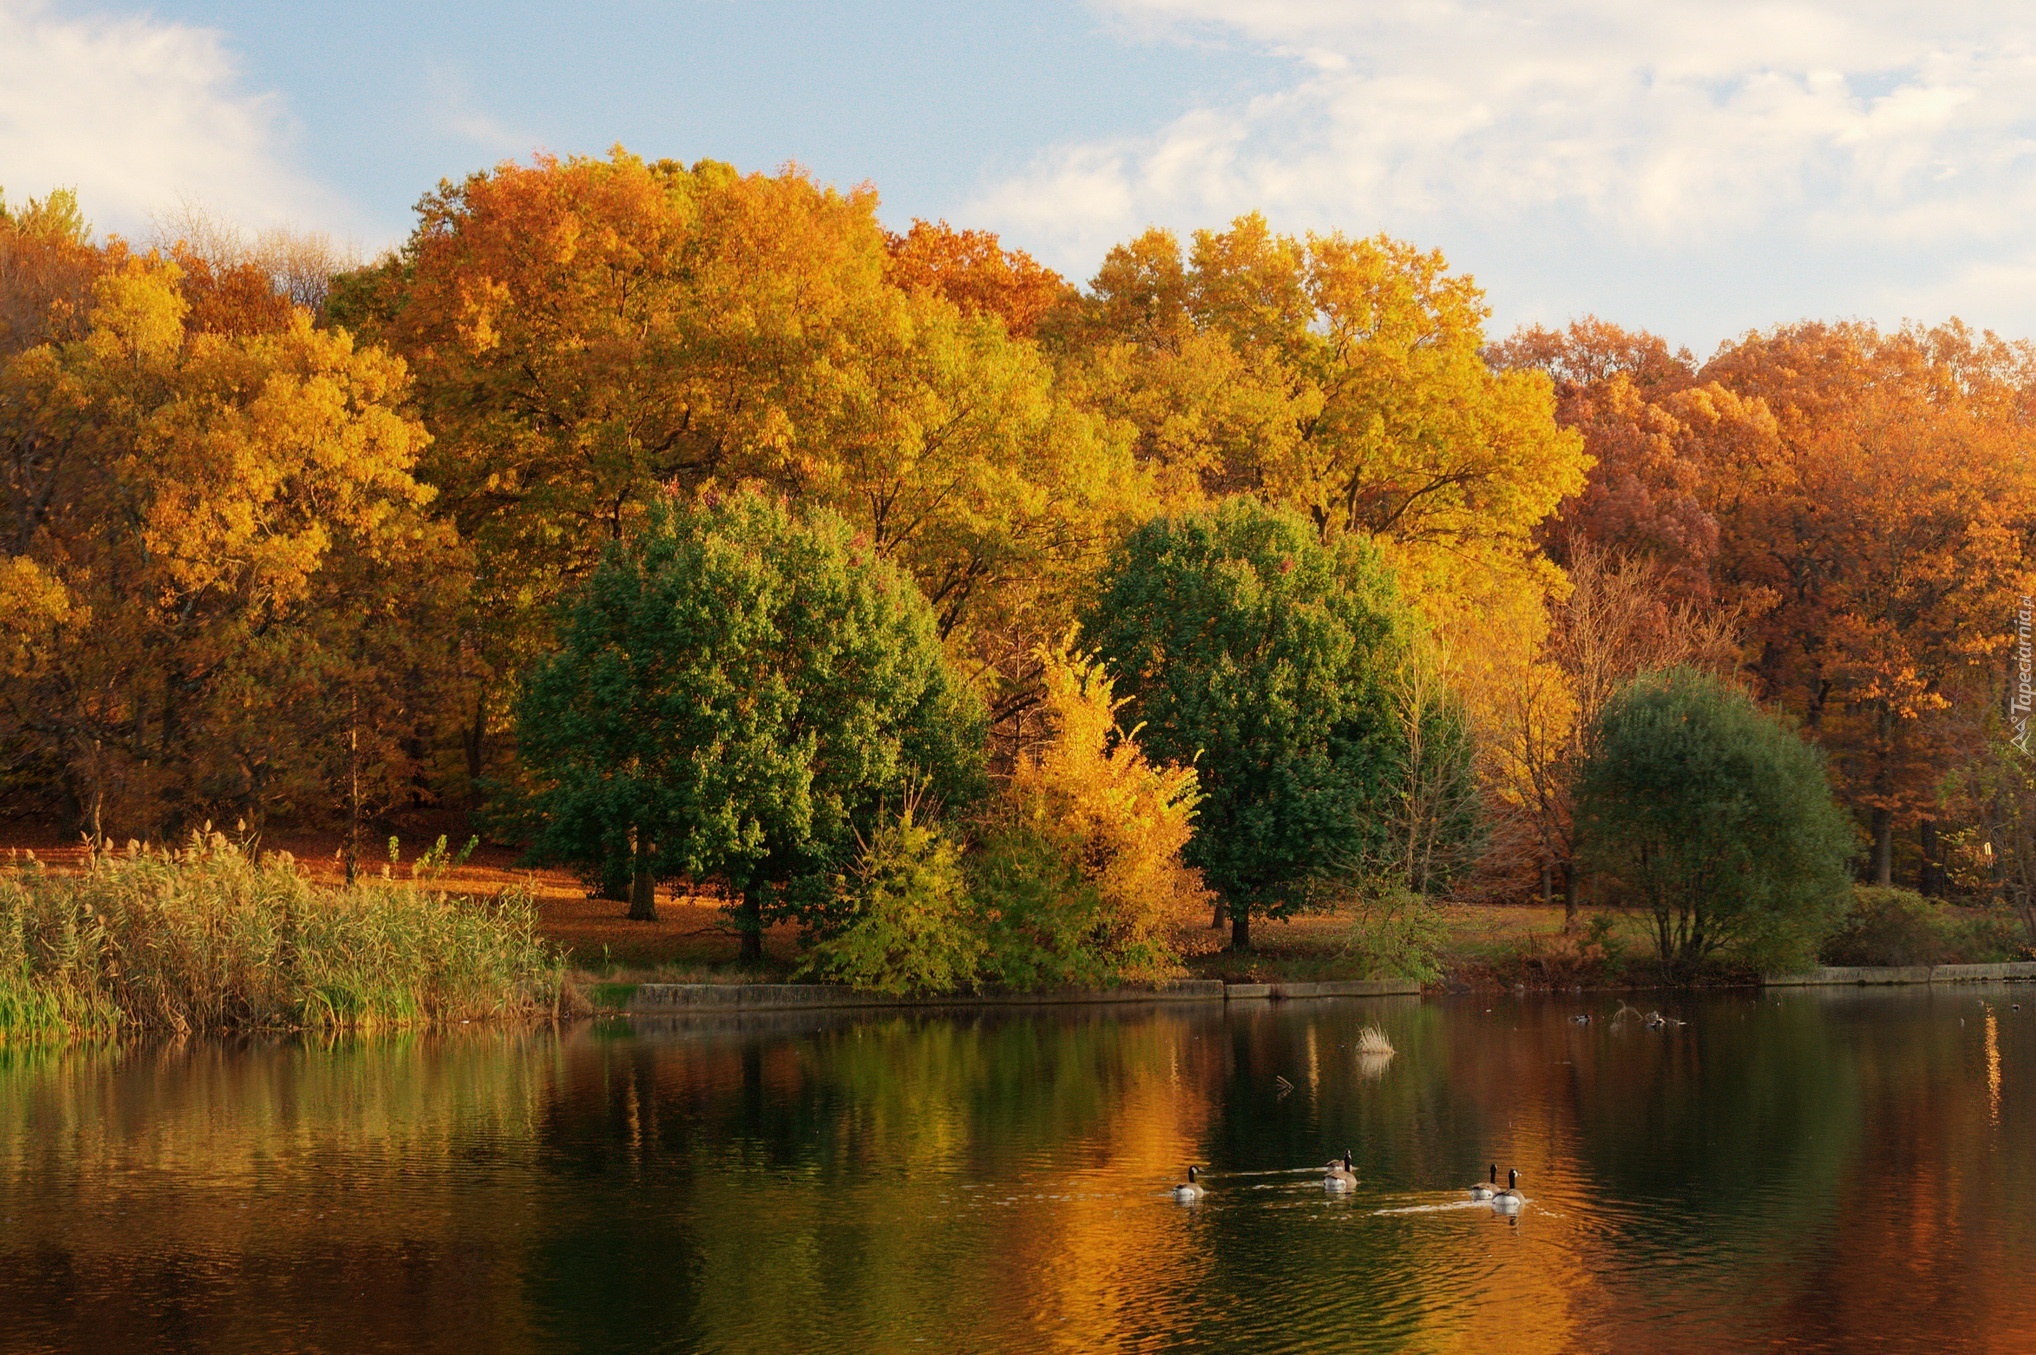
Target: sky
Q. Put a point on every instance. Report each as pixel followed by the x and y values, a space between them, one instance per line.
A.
pixel 1697 169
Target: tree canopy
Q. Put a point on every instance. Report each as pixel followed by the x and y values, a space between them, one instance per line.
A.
pixel 735 695
pixel 1264 658
pixel 1708 815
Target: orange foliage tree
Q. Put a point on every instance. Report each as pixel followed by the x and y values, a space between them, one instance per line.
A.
pixel 1862 500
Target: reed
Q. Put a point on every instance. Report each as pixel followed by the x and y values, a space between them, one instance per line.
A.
pixel 214 938
pixel 1372 1043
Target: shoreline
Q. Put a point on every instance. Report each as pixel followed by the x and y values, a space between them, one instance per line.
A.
pixel 668 999
pixel 682 999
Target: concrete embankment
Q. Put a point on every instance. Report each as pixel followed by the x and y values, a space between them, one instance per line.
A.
pixel 679 999
pixel 1877 975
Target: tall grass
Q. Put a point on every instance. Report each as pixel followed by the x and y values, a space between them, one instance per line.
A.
pixel 212 938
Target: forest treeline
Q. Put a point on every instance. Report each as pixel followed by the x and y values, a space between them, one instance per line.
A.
pixel 291 541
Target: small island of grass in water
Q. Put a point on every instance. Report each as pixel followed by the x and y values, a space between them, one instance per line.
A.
pixel 215 938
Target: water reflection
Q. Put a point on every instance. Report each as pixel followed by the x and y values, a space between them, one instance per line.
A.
pixel 1824 1171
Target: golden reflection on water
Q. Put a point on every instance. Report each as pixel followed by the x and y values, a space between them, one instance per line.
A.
pixel 1993 1068
pixel 1824 1172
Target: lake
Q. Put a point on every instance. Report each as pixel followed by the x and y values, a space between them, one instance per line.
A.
pixel 1824 1170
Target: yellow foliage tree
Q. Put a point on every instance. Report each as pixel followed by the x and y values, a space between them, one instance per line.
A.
pixel 1346 378
pixel 200 529
pixel 1114 822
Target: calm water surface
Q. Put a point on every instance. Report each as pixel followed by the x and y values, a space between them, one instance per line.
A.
pixel 1825 1171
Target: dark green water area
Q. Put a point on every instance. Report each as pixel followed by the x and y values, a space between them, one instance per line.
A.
pixel 1832 1170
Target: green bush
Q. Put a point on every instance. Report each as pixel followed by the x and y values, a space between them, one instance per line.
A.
pixel 1398 935
pixel 213 939
pixel 913 928
pixel 1891 926
pixel 1704 813
pixel 1040 916
pixel 1888 926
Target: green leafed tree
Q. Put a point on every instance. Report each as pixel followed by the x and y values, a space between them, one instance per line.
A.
pixel 1701 810
pixel 734 697
pixel 1264 658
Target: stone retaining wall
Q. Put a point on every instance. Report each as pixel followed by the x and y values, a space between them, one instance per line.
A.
pixel 666 999
pixel 1893 974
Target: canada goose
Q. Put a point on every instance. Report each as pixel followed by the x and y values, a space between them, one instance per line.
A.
pixel 1483 1190
pixel 1342 1175
pixel 1510 1198
pixel 1190 1192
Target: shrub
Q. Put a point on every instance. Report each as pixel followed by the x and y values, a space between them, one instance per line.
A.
pixel 1715 820
pixel 1887 926
pixel 1039 916
pixel 1892 926
pixel 213 939
pixel 1398 934
pixel 913 928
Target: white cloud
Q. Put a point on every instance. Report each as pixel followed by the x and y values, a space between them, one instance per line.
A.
pixel 1897 137
pixel 140 114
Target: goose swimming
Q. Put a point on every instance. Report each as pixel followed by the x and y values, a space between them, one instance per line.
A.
pixel 1191 1191
pixel 1342 1175
pixel 1485 1190
pixel 1509 1199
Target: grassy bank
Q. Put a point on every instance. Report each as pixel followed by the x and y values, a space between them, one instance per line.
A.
pixel 212 938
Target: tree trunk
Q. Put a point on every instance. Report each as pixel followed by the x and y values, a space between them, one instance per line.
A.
pixel 353 788
pixel 1930 879
pixel 474 738
pixel 750 918
pixel 1569 896
pixel 1240 929
pixel 1883 847
pixel 1219 915
pixel 642 886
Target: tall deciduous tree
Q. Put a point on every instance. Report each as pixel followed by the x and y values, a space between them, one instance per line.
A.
pixel 1263 657
pixel 975 272
pixel 1879 542
pixel 1622 617
pixel 588 332
pixel 735 695
pixel 1346 379
pixel 188 515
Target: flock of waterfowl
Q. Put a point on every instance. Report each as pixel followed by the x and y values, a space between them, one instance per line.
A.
pixel 1341 1175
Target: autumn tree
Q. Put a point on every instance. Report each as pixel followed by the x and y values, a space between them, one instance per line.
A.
pixel 189 517
pixel 972 269
pixel 735 696
pixel 1621 618
pixel 1346 379
pixel 587 333
pixel 47 266
pixel 1879 542
pixel 1082 879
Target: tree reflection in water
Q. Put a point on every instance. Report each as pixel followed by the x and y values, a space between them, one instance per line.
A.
pixel 1834 1170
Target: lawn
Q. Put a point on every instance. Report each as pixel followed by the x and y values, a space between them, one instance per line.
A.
pixel 692 941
